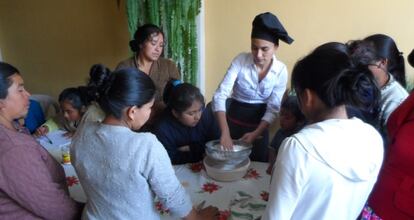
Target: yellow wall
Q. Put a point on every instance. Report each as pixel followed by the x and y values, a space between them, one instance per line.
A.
pixel 309 22
pixel 54 43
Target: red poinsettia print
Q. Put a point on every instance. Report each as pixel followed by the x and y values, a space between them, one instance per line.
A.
pixel 72 180
pixel 160 208
pixel 224 214
pixel 209 187
pixel 265 195
pixel 252 174
pixel 197 167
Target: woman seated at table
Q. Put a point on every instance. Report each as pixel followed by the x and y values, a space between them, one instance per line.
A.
pixel 186 125
pixel 73 105
pixel 32 183
pixel 121 170
pixel 148 45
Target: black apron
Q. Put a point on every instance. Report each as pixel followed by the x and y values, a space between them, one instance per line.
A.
pixel 245 117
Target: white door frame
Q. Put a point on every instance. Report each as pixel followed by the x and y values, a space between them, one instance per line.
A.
pixel 201 50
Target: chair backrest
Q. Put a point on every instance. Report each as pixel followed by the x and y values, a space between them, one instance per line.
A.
pixel 49 105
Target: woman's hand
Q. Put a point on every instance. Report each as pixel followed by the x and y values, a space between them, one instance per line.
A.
pixel 69 134
pixel 208 213
pixel 249 137
pixel 226 141
pixel 42 130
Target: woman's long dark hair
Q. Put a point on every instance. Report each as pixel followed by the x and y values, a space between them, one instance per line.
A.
pixel 123 88
pixel 329 71
pixel 387 49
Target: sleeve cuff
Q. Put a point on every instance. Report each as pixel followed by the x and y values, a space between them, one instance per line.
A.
pixel 269 117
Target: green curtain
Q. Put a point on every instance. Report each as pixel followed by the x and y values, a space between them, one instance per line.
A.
pixel 177 18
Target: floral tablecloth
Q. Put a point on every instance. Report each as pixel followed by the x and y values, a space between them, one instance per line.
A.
pixel 243 199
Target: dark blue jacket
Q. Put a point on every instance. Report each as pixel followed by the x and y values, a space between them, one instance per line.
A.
pixel 172 134
pixel 34 117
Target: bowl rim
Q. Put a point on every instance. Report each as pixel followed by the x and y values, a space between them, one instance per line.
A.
pixel 246 163
pixel 212 143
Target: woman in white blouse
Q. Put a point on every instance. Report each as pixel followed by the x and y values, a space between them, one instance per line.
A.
pixel 255 82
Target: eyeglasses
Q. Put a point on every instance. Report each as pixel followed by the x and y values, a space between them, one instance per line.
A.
pixel 378 65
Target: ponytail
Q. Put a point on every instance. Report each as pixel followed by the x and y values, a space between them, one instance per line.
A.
pixel 169 86
pixel 397 69
pixel 354 86
pixel 125 88
pixel 98 74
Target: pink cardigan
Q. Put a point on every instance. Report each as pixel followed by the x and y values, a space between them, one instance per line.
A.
pixel 32 183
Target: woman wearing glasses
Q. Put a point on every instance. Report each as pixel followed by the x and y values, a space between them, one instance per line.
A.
pixel 393 94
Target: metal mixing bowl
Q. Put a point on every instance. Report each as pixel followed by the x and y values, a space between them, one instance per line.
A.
pixel 236 155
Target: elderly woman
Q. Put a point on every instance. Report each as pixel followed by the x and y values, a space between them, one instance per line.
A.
pixel 255 82
pixel 32 183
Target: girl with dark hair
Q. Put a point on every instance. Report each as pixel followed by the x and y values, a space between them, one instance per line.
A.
pixel 78 105
pixel 364 54
pixel 254 84
pixel 121 170
pixel 291 121
pixel 148 45
pixel 392 58
pixel 185 125
pixel 328 168
pixel 33 184
pixel 73 104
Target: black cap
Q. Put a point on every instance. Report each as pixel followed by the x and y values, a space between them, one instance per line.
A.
pixel 410 58
pixel 266 26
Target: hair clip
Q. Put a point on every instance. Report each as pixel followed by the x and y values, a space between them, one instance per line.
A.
pixel 176 82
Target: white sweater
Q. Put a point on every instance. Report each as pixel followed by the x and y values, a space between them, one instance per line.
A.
pixel 325 171
pixel 121 170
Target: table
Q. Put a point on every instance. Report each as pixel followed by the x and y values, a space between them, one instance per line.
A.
pixel 54 148
pixel 243 199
